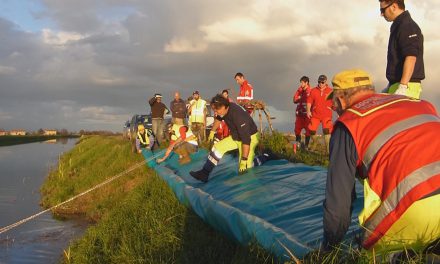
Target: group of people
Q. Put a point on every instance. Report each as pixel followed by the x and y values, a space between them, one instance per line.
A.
pixel 387 140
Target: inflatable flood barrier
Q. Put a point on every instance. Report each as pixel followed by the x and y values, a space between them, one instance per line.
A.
pixel 278 204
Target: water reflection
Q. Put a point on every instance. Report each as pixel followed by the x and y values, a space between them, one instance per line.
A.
pixel 23 169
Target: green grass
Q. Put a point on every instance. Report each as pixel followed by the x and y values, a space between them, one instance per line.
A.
pixel 138 219
pixel 15 140
pixel 279 144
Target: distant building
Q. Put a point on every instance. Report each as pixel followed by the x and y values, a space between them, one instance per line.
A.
pixel 17 132
pixel 3 133
pixel 50 132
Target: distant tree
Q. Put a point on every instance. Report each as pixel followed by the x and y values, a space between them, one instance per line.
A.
pixel 64 132
pixel 40 131
pixel 82 132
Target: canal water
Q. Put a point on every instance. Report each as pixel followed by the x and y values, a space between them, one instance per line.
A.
pixel 23 169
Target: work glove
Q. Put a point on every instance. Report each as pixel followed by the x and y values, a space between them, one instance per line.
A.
pixel 243 166
pixel 402 90
pixel 211 136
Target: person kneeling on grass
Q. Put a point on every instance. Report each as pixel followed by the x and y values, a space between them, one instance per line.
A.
pixel 183 142
pixel 244 136
pixel 144 138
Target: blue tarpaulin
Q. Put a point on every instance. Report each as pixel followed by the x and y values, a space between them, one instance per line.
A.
pixel 279 204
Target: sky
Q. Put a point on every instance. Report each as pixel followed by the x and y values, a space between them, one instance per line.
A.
pixel 92 64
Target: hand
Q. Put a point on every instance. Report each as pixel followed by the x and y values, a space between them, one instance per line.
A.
pixel 160 160
pixel 211 136
pixel 402 90
pixel 140 151
pixel 243 166
pixel 309 114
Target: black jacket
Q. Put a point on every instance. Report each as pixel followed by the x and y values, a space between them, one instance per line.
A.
pixel 240 123
pixel 178 108
pixel 406 39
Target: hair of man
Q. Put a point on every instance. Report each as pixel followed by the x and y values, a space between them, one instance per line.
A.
pixel 400 3
pixel 239 74
pixel 304 79
pixel 219 101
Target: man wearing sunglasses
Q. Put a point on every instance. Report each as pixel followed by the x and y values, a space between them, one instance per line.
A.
pixel 405 67
pixel 320 112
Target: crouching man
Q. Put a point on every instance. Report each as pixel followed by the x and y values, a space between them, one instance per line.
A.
pixel 183 142
pixel 243 136
pixel 144 138
pixel 391 143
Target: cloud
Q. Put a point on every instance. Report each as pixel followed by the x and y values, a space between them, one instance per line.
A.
pixel 6 70
pixel 184 45
pixel 101 115
pixel 5 116
pixel 59 38
pixel 100 62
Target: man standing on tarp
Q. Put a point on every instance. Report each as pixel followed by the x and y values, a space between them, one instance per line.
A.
pixel 391 143
pixel 244 136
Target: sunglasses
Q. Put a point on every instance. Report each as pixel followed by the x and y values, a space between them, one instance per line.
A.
pixel 321 82
pixel 383 9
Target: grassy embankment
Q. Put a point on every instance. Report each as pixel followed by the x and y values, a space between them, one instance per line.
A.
pixel 15 140
pixel 138 218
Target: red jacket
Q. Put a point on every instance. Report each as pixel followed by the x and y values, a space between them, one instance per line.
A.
pixel 300 98
pixel 222 130
pixel 398 147
pixel 320 107
pixel 246 93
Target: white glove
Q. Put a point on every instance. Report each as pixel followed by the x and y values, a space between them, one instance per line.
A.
pixel 402 90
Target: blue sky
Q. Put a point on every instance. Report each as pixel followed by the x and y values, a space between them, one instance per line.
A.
pixel 26 14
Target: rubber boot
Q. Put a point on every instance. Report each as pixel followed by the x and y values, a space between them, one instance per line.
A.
pixel 327 142
pixel 306 143
pixel 203 174
pixel 298 138
pixel 313 146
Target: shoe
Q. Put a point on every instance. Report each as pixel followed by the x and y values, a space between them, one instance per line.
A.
pixel 268 153
pixel 199 175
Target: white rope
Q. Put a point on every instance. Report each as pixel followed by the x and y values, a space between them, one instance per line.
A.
pixel 9 227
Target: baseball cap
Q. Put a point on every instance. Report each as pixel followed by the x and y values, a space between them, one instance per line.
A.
pixel 196 92
pixel 322 78
pixel 350 79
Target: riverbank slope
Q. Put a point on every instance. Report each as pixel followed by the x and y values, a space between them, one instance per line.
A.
pixel 138 218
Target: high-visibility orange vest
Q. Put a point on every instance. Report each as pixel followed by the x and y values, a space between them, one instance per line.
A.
pixel 398 144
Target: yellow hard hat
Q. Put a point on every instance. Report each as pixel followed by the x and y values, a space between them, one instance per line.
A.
pixel 350 79
pixel 141 127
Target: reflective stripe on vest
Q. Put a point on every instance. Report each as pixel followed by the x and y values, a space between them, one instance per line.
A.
pixel 394 129
pixel 379 138
pixel 143 138
pixel 198 111
pixel 392 201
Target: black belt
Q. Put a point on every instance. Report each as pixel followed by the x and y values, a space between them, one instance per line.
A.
pixel 410 81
